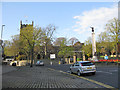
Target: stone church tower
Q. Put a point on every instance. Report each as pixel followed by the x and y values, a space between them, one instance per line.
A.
pixel 23 26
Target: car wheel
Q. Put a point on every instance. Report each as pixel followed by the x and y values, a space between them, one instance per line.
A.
pixel 78 73
pixel 14 64
pixel 71 71
pixel 93 73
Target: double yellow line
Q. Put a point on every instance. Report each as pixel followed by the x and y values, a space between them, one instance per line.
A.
pixel 93 81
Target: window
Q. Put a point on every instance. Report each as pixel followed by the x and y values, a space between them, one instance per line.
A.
pixel 76 64
pixel 87 64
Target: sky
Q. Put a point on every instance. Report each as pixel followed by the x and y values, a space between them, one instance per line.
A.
pixel 72 19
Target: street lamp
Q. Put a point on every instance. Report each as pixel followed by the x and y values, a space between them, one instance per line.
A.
pixel 1 47
pixel 2 31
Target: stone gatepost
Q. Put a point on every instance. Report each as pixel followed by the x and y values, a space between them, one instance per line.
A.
pixel 83 56
pixel 74 59
pixel 69 60
pixel 66 60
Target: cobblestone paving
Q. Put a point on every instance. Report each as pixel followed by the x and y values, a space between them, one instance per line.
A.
pixel 42 77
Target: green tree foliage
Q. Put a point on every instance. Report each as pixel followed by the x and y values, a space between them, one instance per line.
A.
pixel 104 43
pixel 87 47
pixel 12 48
pixel 65 50
pixel 29 37
pixel 113 29
pixel 7 48
pixel 108 40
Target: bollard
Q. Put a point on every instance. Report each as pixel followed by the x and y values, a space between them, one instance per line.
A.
pixel 51 63
pixel 59 62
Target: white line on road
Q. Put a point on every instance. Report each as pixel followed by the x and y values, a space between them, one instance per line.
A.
pixel 60 71
pixel 104 72
pixel 96 71
pixel 114 70
pixel 68 71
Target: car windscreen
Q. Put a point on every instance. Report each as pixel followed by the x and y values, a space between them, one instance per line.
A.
pixel 87 64
pixel 38 61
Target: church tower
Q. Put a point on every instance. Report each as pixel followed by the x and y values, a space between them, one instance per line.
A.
pixel 25 26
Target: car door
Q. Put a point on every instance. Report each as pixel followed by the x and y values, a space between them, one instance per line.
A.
pixel 72 68
pixel 76 67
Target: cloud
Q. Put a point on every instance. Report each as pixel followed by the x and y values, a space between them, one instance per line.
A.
pixel 96 18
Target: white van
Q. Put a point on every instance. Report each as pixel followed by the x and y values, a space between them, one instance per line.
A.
pixel 9 59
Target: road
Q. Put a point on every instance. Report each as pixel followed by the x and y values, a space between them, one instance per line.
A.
pixel 42 77
pixel 57 76
pixel 105 74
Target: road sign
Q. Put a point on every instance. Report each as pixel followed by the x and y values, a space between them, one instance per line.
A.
pixel 106 57
pixel 52 56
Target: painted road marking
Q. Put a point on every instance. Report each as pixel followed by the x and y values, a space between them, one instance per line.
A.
pixel 51 69
pixel 104 72
pixel 68 71
pixel 114 70
pixel 93 81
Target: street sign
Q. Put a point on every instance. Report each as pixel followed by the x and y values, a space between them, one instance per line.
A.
pixel 52 56
pixel 106 57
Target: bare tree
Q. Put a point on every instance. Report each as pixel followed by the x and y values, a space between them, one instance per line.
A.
pixel 48 36
pixel 59 41
pixel 72 41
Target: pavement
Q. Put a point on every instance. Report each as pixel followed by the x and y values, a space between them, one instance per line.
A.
pixel 42 77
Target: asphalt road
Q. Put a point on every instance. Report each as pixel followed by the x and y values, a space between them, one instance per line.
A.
pixel 105 74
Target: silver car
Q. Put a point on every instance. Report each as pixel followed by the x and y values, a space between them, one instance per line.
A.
pixel 82 67
pixel 40 63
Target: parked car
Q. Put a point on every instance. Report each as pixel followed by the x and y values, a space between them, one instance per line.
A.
pixel 40 63
pixel 13 63
pixel 9 59
pixel 82 67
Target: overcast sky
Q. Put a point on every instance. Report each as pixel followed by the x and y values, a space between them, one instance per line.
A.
pixel 73 19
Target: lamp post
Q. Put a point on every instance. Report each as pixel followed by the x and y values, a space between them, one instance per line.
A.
pixel 1 48
pixel 2 31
